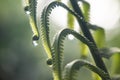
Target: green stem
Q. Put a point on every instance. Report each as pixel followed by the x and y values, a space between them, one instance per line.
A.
pixel 98 60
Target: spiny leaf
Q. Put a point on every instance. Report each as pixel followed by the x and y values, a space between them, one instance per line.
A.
pixel 58 49
pixel 44 29
pixel 30 9
pixel 44 33
pixel 73 67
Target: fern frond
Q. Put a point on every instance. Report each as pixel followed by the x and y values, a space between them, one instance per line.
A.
pixel 44 32
pixel 57 55
pixel 44 29
pixel 30 9
pixel 73 67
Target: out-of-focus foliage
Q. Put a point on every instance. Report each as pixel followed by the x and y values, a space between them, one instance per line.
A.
pixel 19 59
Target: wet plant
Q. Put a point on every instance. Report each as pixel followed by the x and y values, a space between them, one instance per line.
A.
pixel 55 50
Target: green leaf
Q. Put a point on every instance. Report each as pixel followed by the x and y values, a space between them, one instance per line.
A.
pixel 70 19
pixel 108 52
pixel 114 54
pixel 98 35
pixel 115 65
pixel 73 67
pixel 83 50
pixel 85 7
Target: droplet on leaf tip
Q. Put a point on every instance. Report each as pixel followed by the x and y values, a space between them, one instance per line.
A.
pixel 26 8
pixel 49 62
pixel 35 37
pixel 35 43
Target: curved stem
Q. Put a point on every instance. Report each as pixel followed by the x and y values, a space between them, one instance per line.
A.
pixel 98 60
pixel 73 67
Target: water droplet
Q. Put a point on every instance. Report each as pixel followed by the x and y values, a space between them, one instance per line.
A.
pixel 35 43
pixel 81 18
pixel 49 62
pixel 27 10
pixel 70 37
pixel 35 37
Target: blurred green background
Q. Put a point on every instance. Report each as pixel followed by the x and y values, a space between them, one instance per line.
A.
pixel 19 59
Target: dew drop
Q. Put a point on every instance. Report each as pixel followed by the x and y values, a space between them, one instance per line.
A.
pixel 81 18
pixel 49 62
pixel 27 10
pixel 35 43
pixel 70 37
pixel 35 37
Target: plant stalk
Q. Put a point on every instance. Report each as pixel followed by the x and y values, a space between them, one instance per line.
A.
pixel 98 60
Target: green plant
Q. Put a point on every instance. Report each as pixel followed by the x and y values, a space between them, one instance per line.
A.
pixel 55 50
